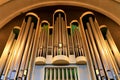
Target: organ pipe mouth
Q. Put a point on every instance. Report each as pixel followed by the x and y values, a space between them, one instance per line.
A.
pixel 103 29
pixel 85 18
pixel 34 16
pixel 16 31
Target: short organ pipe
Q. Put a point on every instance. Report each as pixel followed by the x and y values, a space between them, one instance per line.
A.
pixel 77 43
pixel 60 43
pixel 43 42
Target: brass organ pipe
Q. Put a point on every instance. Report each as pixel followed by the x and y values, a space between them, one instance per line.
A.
pixel 59 29
pixel 11 59
pixel 112 62
pixel 56 32
pixel 94 57
pixel 34 50
pixel 86 51
pixel 63 33
pixel 25 52
pixel 50 43
pixel 40 42
pixel 104 47
pixel 8 55
pixel 102 41
pixel 22 46
pixel 102 72
pixel 17 46
pixel 28 56
pixel 75 43
pixel 55 37
pixel 64 37
pixel 100 47
pixel 113 59
pixel 45 41
pixel 6 51
pixel 79 45
pixel 3 76
pixel 115 64
pixel 114 49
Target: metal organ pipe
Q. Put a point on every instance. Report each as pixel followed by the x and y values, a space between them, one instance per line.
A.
pixel 77 43
pixel 60 41
pixel 43 43
pixel 112 63
pixel 17 61
pixel 93 57
pixel 34 48
pixel 114 49
pixel 85 46
pixel 21 71
pixel 29 57
pixel 20 50
pixel 101 50
pixel 13 35
pixel 6 51
pixel 100 69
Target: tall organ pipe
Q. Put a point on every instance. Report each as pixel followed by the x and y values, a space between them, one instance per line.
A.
pixel 114 48
pixel 29 57
pixel 50 41
pixel 14 36
pixel 21 48
pixel 25 52
pixel 16 47
pixel 96 69
pixel 100 65
pixel 6 51
pixel 85 46
pixel 100 48
pixel 112 63
pixel 34 48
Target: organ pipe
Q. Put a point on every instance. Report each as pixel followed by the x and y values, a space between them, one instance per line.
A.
pixel 112 62
pixel 77 43
pixel 101 50
pixel 6 51
pixel 34 49
pixel 60 38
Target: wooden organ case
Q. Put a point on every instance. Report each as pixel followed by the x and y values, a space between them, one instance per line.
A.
pixel 84 50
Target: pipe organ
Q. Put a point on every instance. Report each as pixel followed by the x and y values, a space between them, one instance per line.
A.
pixel 82 50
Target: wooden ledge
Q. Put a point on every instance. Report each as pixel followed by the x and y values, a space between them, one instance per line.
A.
pixel 81 60
pixel 40 60
pixel 60 59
